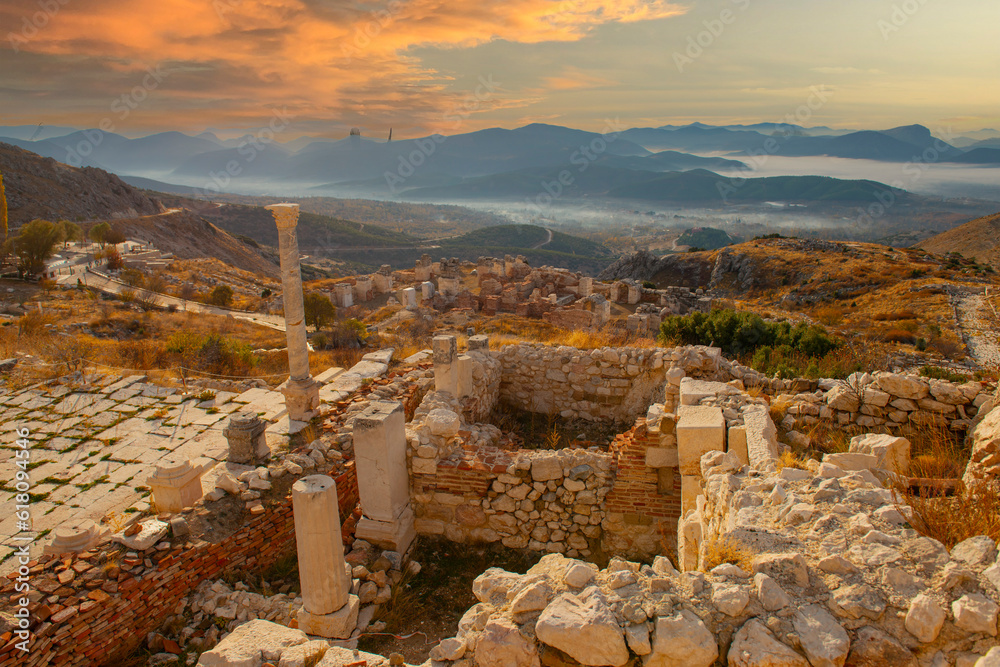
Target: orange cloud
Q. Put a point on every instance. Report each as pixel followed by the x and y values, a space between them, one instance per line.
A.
pixel 232 58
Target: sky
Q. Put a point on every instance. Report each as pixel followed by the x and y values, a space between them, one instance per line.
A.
pixel 422 66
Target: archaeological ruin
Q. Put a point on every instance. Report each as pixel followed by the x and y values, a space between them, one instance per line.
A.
pixel 688 538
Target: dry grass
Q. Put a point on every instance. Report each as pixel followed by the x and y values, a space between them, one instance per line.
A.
pixel 726 550
pixel 936 453
pixel 970 512
pixel 508 329
pixel 790 459
pixel 779 407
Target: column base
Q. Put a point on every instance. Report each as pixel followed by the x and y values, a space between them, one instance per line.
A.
pixel 338 625
pixel 302 399
pixel 395 535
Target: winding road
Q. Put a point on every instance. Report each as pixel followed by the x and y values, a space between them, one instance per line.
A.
pixel 545 242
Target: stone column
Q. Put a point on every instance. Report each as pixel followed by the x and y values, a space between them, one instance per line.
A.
pixel 247 439
pixel 445 369
pixel 408 297
pixel 383 481
pixel 427 290
pixel 328 608
pixel 75 536
pixel 301 392
pixel 586 287
pixel 465 374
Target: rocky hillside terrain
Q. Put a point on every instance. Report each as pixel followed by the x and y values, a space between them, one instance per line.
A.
pixel 40 187
pixel 979 238
pixel 188 236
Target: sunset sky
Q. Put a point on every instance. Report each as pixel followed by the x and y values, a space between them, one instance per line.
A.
pixel 428 65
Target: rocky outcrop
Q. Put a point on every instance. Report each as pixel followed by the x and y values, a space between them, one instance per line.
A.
pixel 985 461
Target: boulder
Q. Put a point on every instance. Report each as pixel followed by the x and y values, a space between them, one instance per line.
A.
pixel 991 659
pixel 502 645
pixel 443 423
pixel 247 644
pixel 892 452
pixel 770 594
pixel 825 643
pixel 730 599
pixel 583 627
pixel 874 648
pixel 924 618
pixel 682 640
pixel 904 386
pixel 755 646
pixel 978 551
pixel 493 584
pixel 975 613
pixel 843 397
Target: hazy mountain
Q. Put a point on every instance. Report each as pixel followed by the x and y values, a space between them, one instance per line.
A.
pixel 691 187
pixel 979 156
pixel 34 132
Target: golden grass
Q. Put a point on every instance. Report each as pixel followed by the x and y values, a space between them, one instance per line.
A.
pixel 790 459
pixel 726 550
pixel 970 512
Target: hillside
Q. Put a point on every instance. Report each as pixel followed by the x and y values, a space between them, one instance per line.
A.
pixel 896 295
pixel 979 239
pixel 417 220
pixel 526 237
pixel 40 187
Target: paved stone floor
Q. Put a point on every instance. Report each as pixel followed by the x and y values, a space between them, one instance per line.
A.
pixel 95 439
pixel 94 443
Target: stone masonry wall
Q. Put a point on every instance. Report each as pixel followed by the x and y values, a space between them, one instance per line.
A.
pixel 615 384
pixel 94 615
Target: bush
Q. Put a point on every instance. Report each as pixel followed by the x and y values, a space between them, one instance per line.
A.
pixel 222 295
pixel 740 333
pixel 649 284
pixel 211 354
pixel 899 336
pixel 938 373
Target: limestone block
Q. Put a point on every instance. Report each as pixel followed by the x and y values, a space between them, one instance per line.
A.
pixel 247 643
pixel 762 438
pixel 690 490
pixel 692 390
pixel 336 625
pixel 662 457
pixel 737 443
pixel 585 628
pixel 682 640
pixel 852 461
pixel 700 429
pixel 892 452
pixel 175 485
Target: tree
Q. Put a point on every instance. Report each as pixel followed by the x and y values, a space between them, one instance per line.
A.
pixel 113 258
pixel 35 244
pixel 70 231
pixel 3 208
pixel 132 277
pixel 319 309
pixel 222 295
pixel 98 231
pixel 114 236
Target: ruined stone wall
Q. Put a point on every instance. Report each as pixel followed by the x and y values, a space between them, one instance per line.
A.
pixel 644 505
pixel 94 615
pixel 882 402
pixel 484 392
pixel 616 384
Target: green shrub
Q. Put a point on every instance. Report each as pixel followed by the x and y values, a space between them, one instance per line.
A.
pixel 938 373
pixel 212 353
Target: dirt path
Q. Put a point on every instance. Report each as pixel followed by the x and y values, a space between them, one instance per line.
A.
pixel 545 242
pixel 979 328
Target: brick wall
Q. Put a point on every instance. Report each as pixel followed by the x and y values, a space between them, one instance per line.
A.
pixel 97 619
pixel 641 520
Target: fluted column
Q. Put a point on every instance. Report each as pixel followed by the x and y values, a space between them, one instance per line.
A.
pixel 301 392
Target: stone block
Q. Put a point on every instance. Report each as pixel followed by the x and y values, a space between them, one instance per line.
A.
pixel 661 457
pixel 336 625
pixel 700 429
pixel 175 485
pixel 692 390
pixel 737 443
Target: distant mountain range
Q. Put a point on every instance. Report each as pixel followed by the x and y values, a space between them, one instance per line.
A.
pixel 209 164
